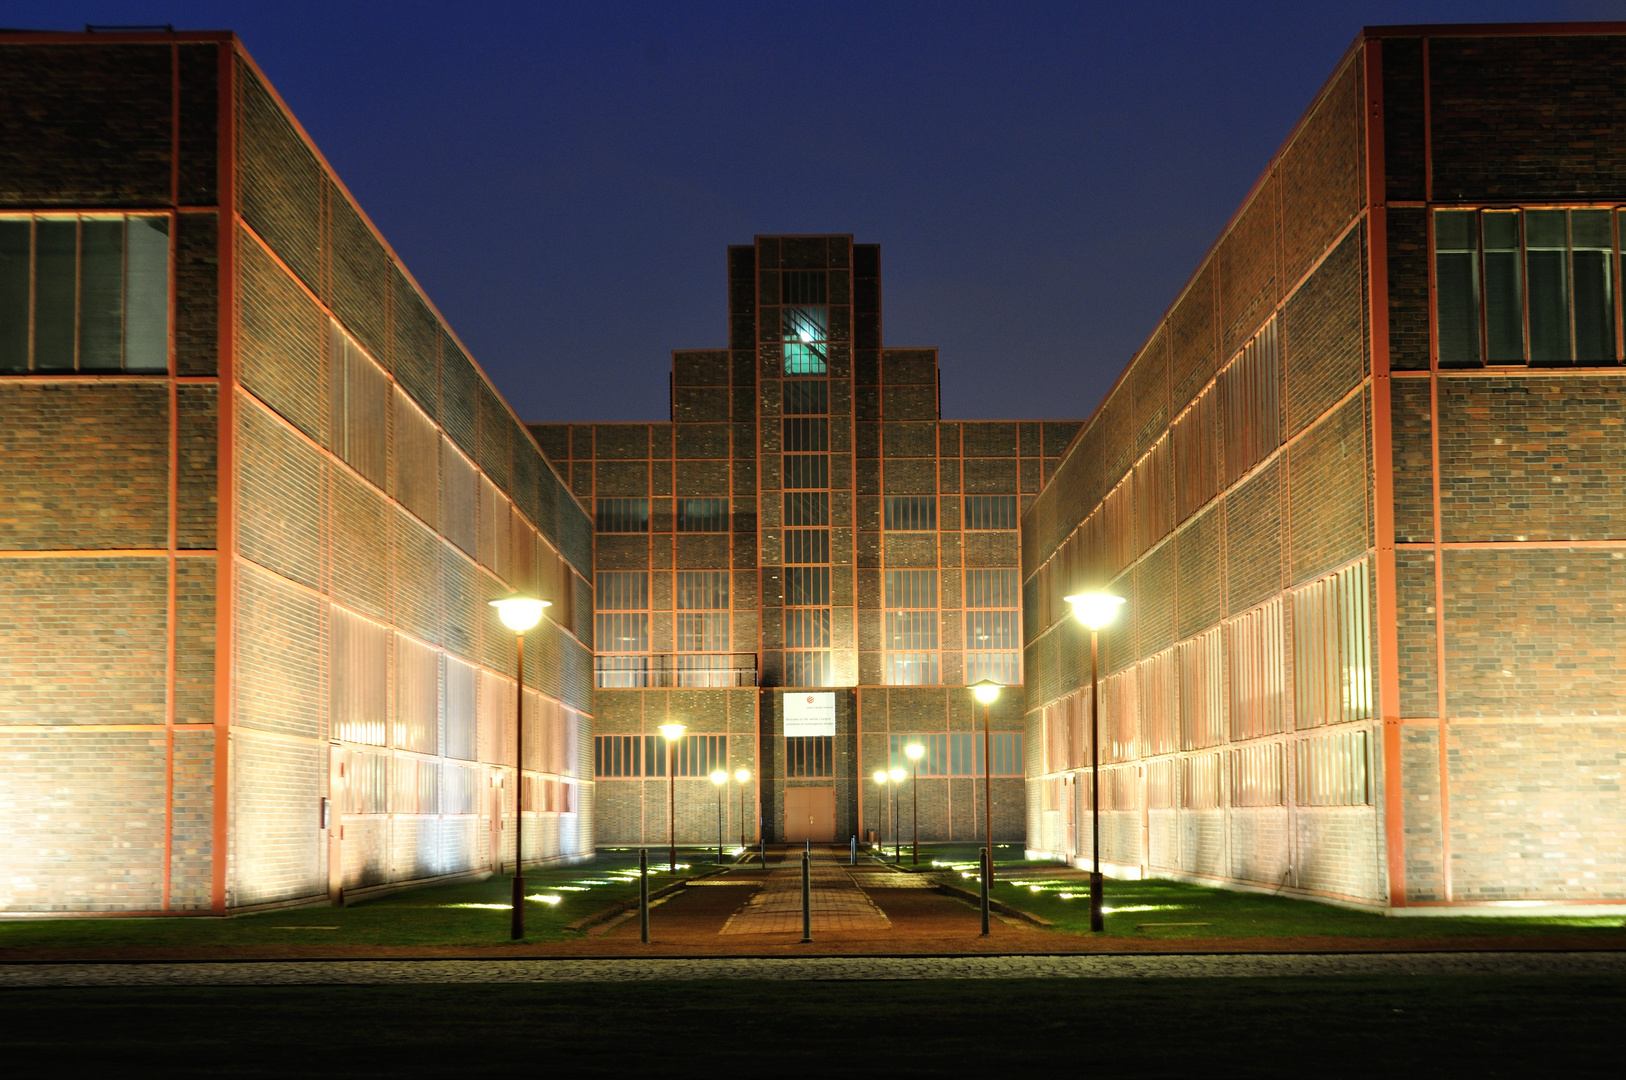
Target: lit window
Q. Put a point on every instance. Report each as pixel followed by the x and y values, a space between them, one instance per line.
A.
pixel 84 294
pixel 992 639
pixel 805 331
pixel 621 626
pixel 702 611
pixel 911 628
pixel 358 398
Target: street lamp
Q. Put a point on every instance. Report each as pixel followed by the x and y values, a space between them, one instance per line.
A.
pixel 720 778
pixel 672 733
pixel 519 614
pixel 914 750
pixel 897 776
pixel 1095 610
pixel 881 777
pixel 987 692
pixel 743 777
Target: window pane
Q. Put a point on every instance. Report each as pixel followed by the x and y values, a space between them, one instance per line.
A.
pixel 101 295
pixel 54 290
pixel 803 287
pixel 804 330
pixel 1594 290
pixel 622 515
pixel 146 295
pixel 807 508
pixel 1457 288
pixel 1547 256
pixel 1504 290
pixel 807 545
pixel 14 262
pixel 910 512
pixel 806 433
pixel 802 396
pixel 807 470
pixel 702 515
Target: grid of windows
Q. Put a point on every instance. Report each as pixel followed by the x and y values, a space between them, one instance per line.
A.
pixel 957 753
pixel 910 512
pixel 805 472
pixel 910 601
pixel 358 396
pixel 621 625
pixel 621 756
pixel 702 611
pixel 810 755
pixel 807 546
pixel 1334 771
pixel 701 515
pixel 993 639
pixel 1525 286
pixel 805 330
pixel 990 511
pixel 1332 654
pixel 622 516
pixel 807 508
pixel 84 293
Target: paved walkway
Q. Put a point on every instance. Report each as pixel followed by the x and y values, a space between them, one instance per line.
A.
pixel 381 972
pixel 836 905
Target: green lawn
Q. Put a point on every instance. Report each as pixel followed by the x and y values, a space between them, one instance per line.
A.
pixel 471 913
pixel 1172 909
pixel 1517 1026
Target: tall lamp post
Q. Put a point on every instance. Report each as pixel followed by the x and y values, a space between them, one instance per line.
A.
pixel 881 777
pixel 1095 610
pixel 720 778
pixel 914 750
pixel 987 692
pixel 897 776
pixel 519 614
pixel 672 733
pixel 742 777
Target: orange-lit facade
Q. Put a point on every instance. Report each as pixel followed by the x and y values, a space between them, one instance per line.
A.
pixel 1361 488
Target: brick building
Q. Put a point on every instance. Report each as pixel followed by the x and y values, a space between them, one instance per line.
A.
pixel 254 497
pixel 805 524
pixel 1362 490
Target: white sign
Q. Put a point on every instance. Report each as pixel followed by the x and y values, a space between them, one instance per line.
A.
pixel 809 714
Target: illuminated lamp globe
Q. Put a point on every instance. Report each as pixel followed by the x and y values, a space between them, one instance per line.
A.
pixel 719 777
pixel 742 775
pixel 673 732
pixel 880 776
pixel 898 775
pixel 1095 609
pixel 914 750
pixel 986 691
pixel 520 613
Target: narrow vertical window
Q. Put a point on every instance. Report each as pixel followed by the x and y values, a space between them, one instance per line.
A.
pixel 1504 290
pixel 146 294
pixel 55 293
pixel 101 294
pixel 1456 282
pixel 15 242
pixel 1548 271
pixel 1592 253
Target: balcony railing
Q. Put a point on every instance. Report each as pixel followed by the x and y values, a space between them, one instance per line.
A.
pixel 675 669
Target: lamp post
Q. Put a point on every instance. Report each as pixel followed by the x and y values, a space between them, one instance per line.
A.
pixel 743 777
pixel 897 776
pixel 1095 610
pixel 914 750
pixel 519 614
pixel 987 691
pixel 881 777
pixel 720 778
pixel 672 733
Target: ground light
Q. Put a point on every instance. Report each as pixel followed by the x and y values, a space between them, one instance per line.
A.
pixel 519 613
pixel 720 779
pixel 742 777
pixel 1095 610
pixel 914 750
pixel 672 733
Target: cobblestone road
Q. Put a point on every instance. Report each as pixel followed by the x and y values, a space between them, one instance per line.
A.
pixel 376 972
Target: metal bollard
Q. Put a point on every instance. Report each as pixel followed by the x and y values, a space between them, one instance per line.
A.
pixel 764 843
pixel 807 897
pixel 987 863
pixel 643 895
pixel 852 854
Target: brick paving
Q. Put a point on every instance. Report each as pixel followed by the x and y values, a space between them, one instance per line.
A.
pixel 836 905
pixel 380 972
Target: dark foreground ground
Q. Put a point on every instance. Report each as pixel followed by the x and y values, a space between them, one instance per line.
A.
pixel 1299 1027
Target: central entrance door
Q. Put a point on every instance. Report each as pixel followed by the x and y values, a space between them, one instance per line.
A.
pixel 810 814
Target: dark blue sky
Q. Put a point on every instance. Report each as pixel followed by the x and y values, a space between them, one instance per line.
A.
pixel 563 179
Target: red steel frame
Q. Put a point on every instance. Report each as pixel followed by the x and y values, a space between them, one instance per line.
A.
pixel 226 470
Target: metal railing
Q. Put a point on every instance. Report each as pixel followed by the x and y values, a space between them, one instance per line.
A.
pixel 675 670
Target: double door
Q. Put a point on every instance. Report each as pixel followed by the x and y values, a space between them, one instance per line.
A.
pixel 810 814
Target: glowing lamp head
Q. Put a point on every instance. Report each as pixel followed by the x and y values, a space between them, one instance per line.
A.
pixel 986 691
pixel 520 613
pixel 898 774
pixel 673 732
pixel 914 750
pixel 880 776
pixel 742 775
pixel 1095 609
pixel 719 777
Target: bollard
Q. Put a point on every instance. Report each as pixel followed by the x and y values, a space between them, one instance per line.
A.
pixel 643 895
pixel 852 855
pixel 764 843
pixel 987 863
pixel 807 898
